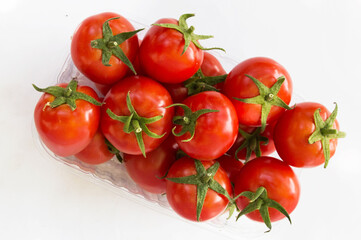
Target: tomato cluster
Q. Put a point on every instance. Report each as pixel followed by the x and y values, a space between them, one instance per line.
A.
pixel 181 125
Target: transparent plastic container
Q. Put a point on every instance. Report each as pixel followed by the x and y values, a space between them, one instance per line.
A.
pixel 113 175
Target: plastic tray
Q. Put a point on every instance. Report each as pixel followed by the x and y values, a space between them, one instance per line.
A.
pixel 113 175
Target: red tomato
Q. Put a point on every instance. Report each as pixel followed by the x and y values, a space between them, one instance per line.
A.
pixel 266 147
pixel 211 67
pixel 96 152
pixel 148 172
pixel 177 90
pixel 183 197
pixel 149 99
pixel 63 130
pixel 276 177
pixel 231 165
pixel 89 59
pixel 238 85
pixel 292 132
pixel 215 132
pixel 161 54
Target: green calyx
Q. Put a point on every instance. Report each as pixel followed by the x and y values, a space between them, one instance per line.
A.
pixel 267 98
pixel 67 95
pixel 188 121
pixel 188 32
pixel 252 143
pixel 324 132
pixel 137 124
pixel 204 180
pixel 259 200
pixel 109 44
pixel 200 83
pixel 114 150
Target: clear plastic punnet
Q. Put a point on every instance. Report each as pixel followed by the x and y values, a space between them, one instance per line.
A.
pixel 113 175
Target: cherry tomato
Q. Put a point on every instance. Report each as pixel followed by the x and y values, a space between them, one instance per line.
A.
pixel 239 85
pixel 183 197
pixel 149 100
pixel 161 54
pixel 276 177
pixel 96 152
pixel 63 130
pixel 148 172
pixel 292 133
pixel 214 132
pixel 89 59
pixel 211 67
pixel 231 165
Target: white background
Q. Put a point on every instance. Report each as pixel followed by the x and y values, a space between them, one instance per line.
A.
pixel 318 41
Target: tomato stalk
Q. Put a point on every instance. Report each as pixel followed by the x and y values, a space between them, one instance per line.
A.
pixel 114 150
pixel 204 180
pixel 267 98
pixel 109 44
pixel 67 95
pixel 259 200
pixel 188 121
pixel 200 83
pixel 251 143
pixel 324 132
pixel 188 32
pixel 137 124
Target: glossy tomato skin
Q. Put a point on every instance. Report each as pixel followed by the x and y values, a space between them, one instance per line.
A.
pixel 161 54
pixel 96 152
pixel 149 99
pixel 215 132
pixel 183 197
pixel 276 177
pixel 211 67
pixel 237 85
pixel 231 165
pixel 89 60
pixel 63 131
pixel 148 172
pixel 291 135
pixel 266 149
